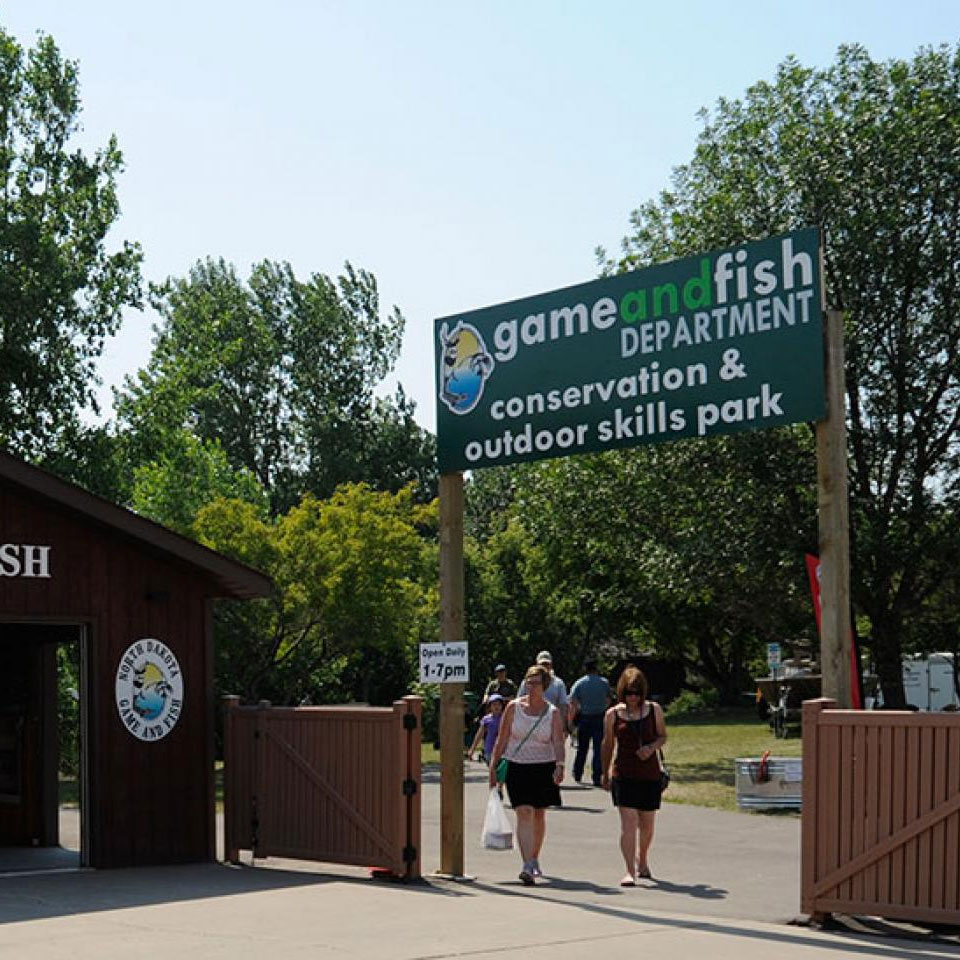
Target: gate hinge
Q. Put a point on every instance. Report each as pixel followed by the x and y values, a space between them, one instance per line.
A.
pixel 409 787
pixel 409 854
pixel 254 827
pixel 409 721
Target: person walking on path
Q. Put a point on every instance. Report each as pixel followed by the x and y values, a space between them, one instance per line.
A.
pixel 532 738
pixel 489 728
pixel 556 689
pixel 500 684
pixel 590 697
pixel 633 734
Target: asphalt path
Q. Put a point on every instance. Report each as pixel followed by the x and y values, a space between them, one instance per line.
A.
pixel 705 862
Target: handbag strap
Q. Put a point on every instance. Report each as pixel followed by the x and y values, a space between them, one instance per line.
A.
pixel 530 731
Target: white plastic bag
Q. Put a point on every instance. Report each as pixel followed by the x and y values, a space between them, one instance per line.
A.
pixel 497 833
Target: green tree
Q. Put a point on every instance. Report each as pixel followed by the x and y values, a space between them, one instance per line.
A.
pixel 508 616
pixel 356 592
pixel 664 548
pixel 188 475
pixel 280 372
pixel 61 291
pixel 871 152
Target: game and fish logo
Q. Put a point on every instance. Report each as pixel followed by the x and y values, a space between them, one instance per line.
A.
pixel 149 689
pixel 465 366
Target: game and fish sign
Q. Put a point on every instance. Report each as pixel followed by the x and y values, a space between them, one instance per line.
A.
pixel 707 345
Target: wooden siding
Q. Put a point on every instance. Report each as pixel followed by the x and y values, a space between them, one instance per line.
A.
pixel 881 813
pixel 150 803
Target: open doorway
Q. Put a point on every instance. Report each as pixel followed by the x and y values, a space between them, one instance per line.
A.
pixel 42 723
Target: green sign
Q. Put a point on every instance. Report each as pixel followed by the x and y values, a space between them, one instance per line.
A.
pixel 708 345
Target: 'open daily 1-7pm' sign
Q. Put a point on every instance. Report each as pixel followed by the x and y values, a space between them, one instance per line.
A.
pixel 711 344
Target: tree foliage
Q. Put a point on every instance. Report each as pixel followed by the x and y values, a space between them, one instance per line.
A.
pixel 61 291
pixel 356 593
pixel 870 152
pixel 281 373
pixel 662 549
pixel 188 475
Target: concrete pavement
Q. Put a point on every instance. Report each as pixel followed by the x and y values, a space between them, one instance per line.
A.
pixel 210 912
pixel 701 905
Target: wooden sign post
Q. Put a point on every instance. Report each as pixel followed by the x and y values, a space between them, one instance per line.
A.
pixel 451 694
pixel 834 524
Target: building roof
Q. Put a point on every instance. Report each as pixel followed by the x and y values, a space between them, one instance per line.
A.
pixel 232 578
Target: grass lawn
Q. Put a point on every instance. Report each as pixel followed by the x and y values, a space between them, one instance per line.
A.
pixel 700 753
pixel 701 750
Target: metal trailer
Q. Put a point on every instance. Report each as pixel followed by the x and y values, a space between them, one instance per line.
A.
pixel 928 682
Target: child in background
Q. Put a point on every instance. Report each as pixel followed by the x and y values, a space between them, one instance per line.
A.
pixel 489 728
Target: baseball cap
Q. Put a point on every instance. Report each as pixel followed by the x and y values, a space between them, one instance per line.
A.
pixel 499 667
pixel 544 657
pixel 494 696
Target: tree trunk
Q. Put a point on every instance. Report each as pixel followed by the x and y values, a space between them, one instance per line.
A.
pixel 889 660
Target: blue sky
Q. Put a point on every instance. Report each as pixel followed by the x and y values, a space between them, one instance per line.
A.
pixel 467 154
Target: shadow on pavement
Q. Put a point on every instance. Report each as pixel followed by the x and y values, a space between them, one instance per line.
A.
pixel 59 895
pixel 854 945
pixel 44 896
pixel 702 891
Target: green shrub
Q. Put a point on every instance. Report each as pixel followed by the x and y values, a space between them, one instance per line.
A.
pixel 705 701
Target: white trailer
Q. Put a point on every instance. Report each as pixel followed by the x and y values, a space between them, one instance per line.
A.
pixel 928 682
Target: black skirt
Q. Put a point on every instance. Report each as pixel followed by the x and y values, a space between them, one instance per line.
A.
pixel 531 785
pixel 636 794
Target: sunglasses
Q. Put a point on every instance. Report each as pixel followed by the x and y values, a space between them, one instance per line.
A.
pixel 632 693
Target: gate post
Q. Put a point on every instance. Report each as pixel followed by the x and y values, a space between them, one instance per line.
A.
pixel 451 694
pixel 809 813
pixel 408 712
pixel 231 848
pixel 834 524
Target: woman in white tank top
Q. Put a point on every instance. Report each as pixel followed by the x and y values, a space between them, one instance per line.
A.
pixel 531 738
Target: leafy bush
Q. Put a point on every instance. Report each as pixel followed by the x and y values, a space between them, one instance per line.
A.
pixel 705 701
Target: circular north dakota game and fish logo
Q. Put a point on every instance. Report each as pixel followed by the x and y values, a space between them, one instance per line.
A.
pixel 149 689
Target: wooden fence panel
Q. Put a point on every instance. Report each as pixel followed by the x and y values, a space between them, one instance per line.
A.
pixel 338 784
pixel 881 813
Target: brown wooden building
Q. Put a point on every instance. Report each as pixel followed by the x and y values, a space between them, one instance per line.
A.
pixel 133 602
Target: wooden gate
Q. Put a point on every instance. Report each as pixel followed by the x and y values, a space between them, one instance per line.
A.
pixel 339 784
pixel 881 813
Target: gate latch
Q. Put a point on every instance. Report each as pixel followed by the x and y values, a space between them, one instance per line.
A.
pixel 409 787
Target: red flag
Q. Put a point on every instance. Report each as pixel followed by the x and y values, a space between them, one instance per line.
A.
pixel 856 677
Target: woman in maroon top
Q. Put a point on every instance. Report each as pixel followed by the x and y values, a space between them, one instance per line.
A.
pixel 633 732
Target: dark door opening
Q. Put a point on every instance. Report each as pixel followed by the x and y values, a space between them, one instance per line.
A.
pixel 41 734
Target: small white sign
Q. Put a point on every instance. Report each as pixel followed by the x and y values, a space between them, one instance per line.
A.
pixel 773 655
pixel 444 663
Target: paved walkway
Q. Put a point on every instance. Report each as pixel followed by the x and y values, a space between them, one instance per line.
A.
pixel 701 905
pixel 706 862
